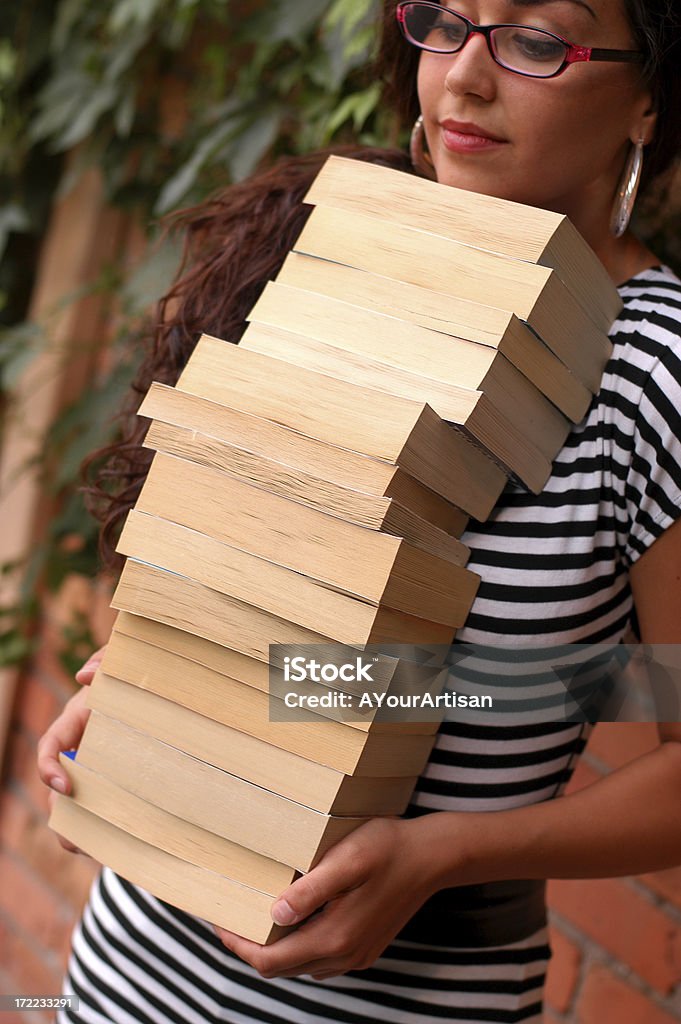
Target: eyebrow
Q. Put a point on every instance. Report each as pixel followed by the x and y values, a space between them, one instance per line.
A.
pixel 542 3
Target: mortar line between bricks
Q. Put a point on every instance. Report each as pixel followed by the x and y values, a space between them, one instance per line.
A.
pixel 656 899
pixel 61 902
pixel 595 762
pixel 50 959
pixel 56 688
pixel 21 790
pixel 581 970
pixel 594 953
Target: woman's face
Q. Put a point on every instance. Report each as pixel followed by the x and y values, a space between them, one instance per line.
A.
pixel 558 143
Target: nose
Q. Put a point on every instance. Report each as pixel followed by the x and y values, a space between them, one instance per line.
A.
pixel 472 69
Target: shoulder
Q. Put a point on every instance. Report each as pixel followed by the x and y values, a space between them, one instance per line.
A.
pixel 646 340
pixel 650 321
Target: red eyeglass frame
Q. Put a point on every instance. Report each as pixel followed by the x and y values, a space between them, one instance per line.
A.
pixel 574 54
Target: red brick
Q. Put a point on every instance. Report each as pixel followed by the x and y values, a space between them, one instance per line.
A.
pixel 15 819
pixel 607 999
pixel 23 770
pixel 584 775
pixel 29 973
pixel 46 661
pixel 617 743
pixel 69 875
pixel 28 903
pixel 621 920
pixel 665 883
pixel 563 972
pixel 37 705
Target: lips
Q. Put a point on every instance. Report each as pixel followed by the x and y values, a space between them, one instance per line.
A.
pixel 471 129
pixel 465 137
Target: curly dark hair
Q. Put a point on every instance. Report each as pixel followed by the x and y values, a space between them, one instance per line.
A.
pixel 656 27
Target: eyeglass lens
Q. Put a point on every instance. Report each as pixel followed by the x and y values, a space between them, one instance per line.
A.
pixel 527 50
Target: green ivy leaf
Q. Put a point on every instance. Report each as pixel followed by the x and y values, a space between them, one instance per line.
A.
pixel 252 143
pixel 19 345
pixel 152 277
pixel 13 217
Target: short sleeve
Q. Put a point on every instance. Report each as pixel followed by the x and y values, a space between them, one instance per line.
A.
pixel 653 486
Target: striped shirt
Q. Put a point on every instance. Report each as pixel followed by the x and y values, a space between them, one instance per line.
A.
pixel 554 570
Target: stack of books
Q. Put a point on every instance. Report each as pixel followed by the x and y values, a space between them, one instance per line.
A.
pixel 310 488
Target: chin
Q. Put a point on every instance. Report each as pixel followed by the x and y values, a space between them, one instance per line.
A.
pixel 486 184
pixel 472 177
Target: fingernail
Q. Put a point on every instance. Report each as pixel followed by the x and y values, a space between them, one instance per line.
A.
pixel 89 664
pixel 283 913
pixel 58 784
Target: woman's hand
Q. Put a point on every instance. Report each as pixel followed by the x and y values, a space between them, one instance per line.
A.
pixel 65 734
pixel 86 674
pixel 369 884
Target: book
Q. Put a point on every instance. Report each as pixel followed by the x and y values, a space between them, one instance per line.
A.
pixel 307 489
pixel 235 703
pixel 330 745
pixel 511 229
pixel 246 517
pixel 472 412
pixel 196 890
pixel 459 318
pixel 454 368
pixel 94 791
pixel 374 485
pixel 186 657
pixel 177 601
pixel 253 816
pixel 222 660
pixel 533 293
pixel 138 762
pixel 308 592
pixel 345 503
pixel 397 430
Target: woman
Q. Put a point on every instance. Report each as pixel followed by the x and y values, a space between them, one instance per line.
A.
pixel 422 919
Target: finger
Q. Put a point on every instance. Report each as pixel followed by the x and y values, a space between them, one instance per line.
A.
pixel 64 734
pixel 332 876
pixel 243 948
pixel 313 969
pixel 86 672
pixel 65 844
pixel 285 957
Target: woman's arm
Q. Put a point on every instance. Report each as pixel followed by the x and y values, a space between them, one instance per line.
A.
pixel 627 822
pixel 624 824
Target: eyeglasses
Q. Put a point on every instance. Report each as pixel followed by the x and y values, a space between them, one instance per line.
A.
pixel 526 51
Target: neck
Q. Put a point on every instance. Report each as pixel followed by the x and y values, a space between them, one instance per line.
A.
pixel 623 257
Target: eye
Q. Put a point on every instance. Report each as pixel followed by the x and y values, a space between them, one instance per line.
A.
pixel 435 30
pixel 449 30
pixel 535 46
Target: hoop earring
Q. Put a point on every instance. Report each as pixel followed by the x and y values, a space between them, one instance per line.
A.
pixel 421 161
pixel 627 191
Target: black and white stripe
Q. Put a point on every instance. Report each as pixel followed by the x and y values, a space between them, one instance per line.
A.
pixel 555 572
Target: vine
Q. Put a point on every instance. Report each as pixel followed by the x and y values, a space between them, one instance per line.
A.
pixel 170 99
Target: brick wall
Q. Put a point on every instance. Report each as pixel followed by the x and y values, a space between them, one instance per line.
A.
pixel 43 887
pixel 617 942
